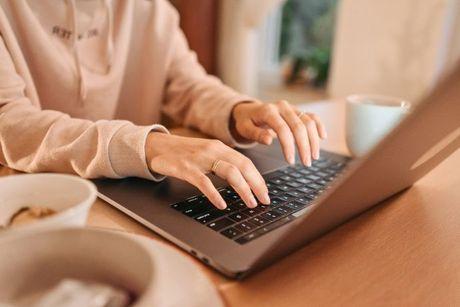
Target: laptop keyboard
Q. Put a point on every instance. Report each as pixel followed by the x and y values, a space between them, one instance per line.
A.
pixel 291 189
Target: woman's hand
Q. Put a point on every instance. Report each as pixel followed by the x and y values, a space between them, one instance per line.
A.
pixel 261 122
pixel 190 159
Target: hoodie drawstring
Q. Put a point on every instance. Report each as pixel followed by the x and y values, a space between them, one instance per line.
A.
pixel 76 54
pixel 75 51
pixel 109 38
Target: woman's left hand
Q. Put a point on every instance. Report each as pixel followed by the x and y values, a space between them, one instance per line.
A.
pixel 261 122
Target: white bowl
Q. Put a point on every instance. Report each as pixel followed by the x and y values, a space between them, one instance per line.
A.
pixel 70 196
pixel 33 262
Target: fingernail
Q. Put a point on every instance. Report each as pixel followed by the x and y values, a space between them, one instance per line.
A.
pixel 315 156
pixel 309 163
pixel 253 202
pixel 223 205
pixel 291 160
pixel 266 199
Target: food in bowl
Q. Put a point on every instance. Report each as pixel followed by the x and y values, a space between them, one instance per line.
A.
pixel 44 201
pixel 70 292
pixel 27 215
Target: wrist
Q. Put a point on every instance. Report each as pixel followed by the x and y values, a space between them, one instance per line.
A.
pixel 153 144
pixel 236 113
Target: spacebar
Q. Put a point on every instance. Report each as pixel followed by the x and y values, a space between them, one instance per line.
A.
pixel 263 230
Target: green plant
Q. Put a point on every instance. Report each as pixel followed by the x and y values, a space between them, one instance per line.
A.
pixel 306 37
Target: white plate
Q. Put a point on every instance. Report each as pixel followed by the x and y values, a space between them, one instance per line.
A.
pixel 31 263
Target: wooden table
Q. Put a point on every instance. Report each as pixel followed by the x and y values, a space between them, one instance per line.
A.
pixel 404 252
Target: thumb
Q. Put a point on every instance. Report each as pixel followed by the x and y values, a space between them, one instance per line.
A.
pixel 255 133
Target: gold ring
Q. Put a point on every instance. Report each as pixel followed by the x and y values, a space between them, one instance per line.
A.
pixel 214 166
pixel 301 114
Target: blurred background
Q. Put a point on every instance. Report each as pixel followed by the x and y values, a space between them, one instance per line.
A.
pixel 306 50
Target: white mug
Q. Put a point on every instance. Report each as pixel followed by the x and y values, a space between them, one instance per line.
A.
pixel 369 118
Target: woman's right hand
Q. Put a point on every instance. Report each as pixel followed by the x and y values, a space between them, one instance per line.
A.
pixel 190 159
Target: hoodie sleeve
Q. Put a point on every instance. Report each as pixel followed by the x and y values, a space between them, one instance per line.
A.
pixel 35 140
pixel 194 98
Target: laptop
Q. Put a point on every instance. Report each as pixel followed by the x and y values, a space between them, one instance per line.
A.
pixel 306 203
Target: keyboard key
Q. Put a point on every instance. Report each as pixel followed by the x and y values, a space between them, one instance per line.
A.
pixel 209 216
pixel 286 178
pixel 276 181
pixel 304 200
pixel 180 206
pixel 221 224
pixel 315 186
pixel 284 197
pixel 195 201
pixel 338 166
pixel 196 210
pixel 305 171
pixel 296 205
pixel 313 177
pixel 322 174
pixel 231 232
pixel 229 194
pixel 276 224
pixel 271 215
pixel 284 187
pixel 303 180
pixel 245 226
pixel 262 208
pixel 296 175
pixel 294 184
pixel 250 211
pixel 275 174
pixel 323 164
pixel 201 200
pixel 295 193
pixel 230 208
pixel 275 201
pixel 306 190
pixel 283 210
pixel 232 198
pixel 274 191
pixel 330 172
pixel 238 217
pixel 238 205
pixel 259 221
pixel 263 230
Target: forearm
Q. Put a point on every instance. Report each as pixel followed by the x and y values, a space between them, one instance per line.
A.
pixel 33 140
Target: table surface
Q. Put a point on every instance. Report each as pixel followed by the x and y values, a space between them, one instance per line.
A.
pixel 404 252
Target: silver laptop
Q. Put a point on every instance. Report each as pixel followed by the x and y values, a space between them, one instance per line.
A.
pixel 306 202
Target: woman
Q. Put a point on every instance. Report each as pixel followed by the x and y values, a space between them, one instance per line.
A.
pixel 82 82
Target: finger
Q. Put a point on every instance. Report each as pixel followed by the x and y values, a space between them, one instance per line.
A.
pixel 272 133
pixel 313 136
pixel 258 134
pixel 273 119
pixel 204 184
pixel 233 176
pixel 251 175
pixel 299 130
pixel 319 125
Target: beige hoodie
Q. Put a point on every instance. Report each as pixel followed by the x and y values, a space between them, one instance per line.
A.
pixel 85 103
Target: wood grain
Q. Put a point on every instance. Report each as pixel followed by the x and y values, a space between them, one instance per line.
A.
pixel 404 252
